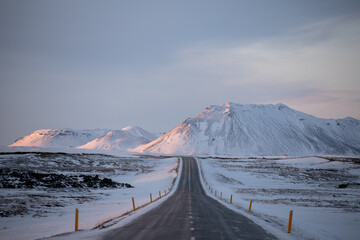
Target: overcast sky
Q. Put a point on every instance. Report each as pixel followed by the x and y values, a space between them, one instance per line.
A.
pixel 109 64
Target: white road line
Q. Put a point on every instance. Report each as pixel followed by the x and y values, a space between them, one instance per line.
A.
pixel 192 238
pixel 192 229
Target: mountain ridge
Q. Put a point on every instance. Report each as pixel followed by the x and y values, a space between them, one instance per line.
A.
pixel 225 129
pixel 65 137
pixel 128 137
pixel 258 129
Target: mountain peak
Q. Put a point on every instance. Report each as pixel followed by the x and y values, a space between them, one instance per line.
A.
pixel 258 129
pixel 128 137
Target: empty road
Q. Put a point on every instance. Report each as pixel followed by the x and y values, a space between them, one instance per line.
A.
pixel 190 214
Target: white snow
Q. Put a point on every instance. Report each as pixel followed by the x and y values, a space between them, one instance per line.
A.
pixel 248 130
pixel 128 137
pixel 148 175
pixel 308 186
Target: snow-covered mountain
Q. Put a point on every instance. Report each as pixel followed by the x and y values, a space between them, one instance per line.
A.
pixel 58 138
pixel 235 129
pixel 128 137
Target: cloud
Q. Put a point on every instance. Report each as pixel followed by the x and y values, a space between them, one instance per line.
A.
pixel 313 68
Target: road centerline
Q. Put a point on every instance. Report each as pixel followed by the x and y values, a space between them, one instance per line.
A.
pixel 188 214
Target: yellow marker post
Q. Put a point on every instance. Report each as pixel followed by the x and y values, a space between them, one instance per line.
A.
pixel 250 205
pixel 211 190
pixel 133 201
pixel 231 199
pixel 220 195
pixel 159 194
pixel 215 193
pixel 290 221
pixel 76 219
pixel 165 192
pixel 150 197
pixel 209 187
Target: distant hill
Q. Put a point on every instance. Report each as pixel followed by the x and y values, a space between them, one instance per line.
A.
pixel 129 137
pixel 58 138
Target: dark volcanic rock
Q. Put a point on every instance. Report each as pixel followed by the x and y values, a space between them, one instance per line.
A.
pixel 10 178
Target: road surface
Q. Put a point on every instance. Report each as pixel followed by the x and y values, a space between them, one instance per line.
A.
pixel 190 214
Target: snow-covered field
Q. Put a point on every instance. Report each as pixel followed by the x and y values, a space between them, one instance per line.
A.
pixel 40 211
pixel 324 193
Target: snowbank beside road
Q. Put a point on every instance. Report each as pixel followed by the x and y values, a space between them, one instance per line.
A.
pixel 148 175
pixel 312 187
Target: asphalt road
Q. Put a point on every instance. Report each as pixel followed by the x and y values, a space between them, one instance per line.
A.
pixel 190 214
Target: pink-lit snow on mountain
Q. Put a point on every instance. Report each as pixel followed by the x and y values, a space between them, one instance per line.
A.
pixel 128 137
pixel 58 138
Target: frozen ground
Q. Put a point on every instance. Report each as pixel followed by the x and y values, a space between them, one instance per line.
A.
pixel 43 211
pixel 323 192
